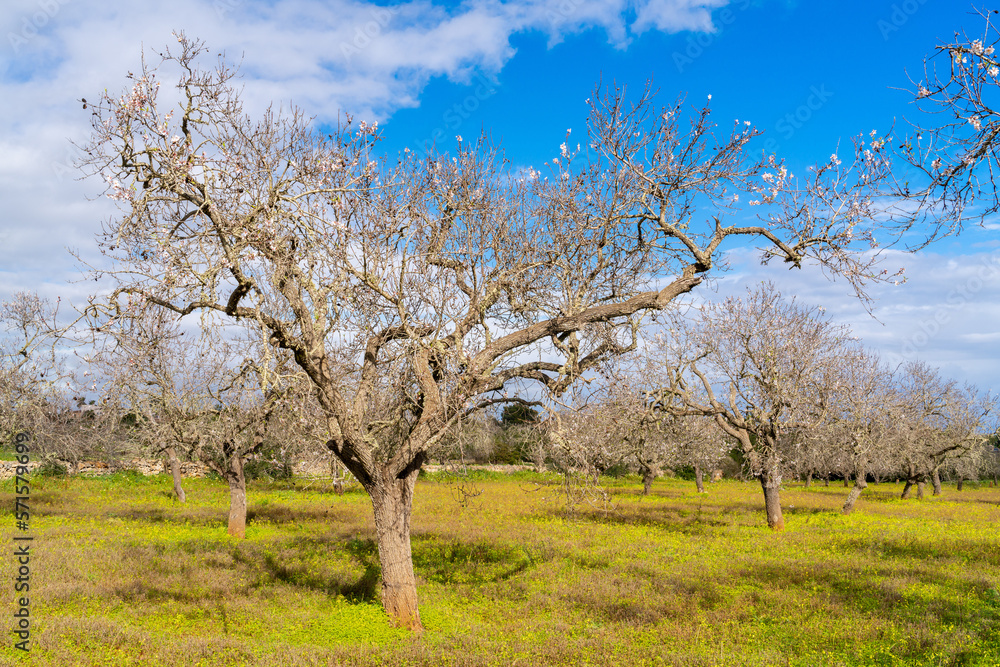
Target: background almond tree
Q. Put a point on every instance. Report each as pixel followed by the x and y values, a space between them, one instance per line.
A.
pixel 43 387
pixel 31 372
pixel 155 378
pixel 759 365
pixel 410 290
pixel 939 421
pixel 862 416
pixel 207 393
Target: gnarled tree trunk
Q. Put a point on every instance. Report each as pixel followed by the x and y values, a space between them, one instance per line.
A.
pixel 860 484
pixel 958 484
pixel 911 477
pixel 237 491
pixel 648 476
pixel 771 483
pixel 175 472
pixel 338 477
pixel 392 502
pixel 699 480
pixel 936 481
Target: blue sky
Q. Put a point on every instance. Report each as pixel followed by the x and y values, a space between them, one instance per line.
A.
pixel 810 74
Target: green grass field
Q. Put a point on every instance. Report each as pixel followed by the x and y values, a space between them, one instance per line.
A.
pixel 123 575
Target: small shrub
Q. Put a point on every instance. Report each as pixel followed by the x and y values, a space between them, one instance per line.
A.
pixel 505 452
pixel 267 469
pixel 52 468
pixel 617 471
pixel 685 472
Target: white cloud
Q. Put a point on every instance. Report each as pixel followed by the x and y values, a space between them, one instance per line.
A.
pixel 329 56
pixel 947 313
pixel 672 16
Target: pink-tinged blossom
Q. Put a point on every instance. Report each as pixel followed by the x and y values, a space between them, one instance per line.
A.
pixel 118 191
pixel 366 129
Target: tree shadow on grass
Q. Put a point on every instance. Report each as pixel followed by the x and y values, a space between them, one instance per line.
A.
pixel 642 595
pixel 144 591
pixel 984 552
pixel 181 515
pixel 687 519
pixel 257 514
pixel 884 591
pixel 457 562
pixel 272 568
pixel 282 514
pixel 805 511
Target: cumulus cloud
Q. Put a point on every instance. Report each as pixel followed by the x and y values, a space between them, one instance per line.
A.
pixel 947 313
pixel 672 16
pixel 328 56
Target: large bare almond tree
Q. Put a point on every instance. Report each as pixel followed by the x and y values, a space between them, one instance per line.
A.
pixel 415 290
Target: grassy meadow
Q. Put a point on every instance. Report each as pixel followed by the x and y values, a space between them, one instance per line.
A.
pixel 123 575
